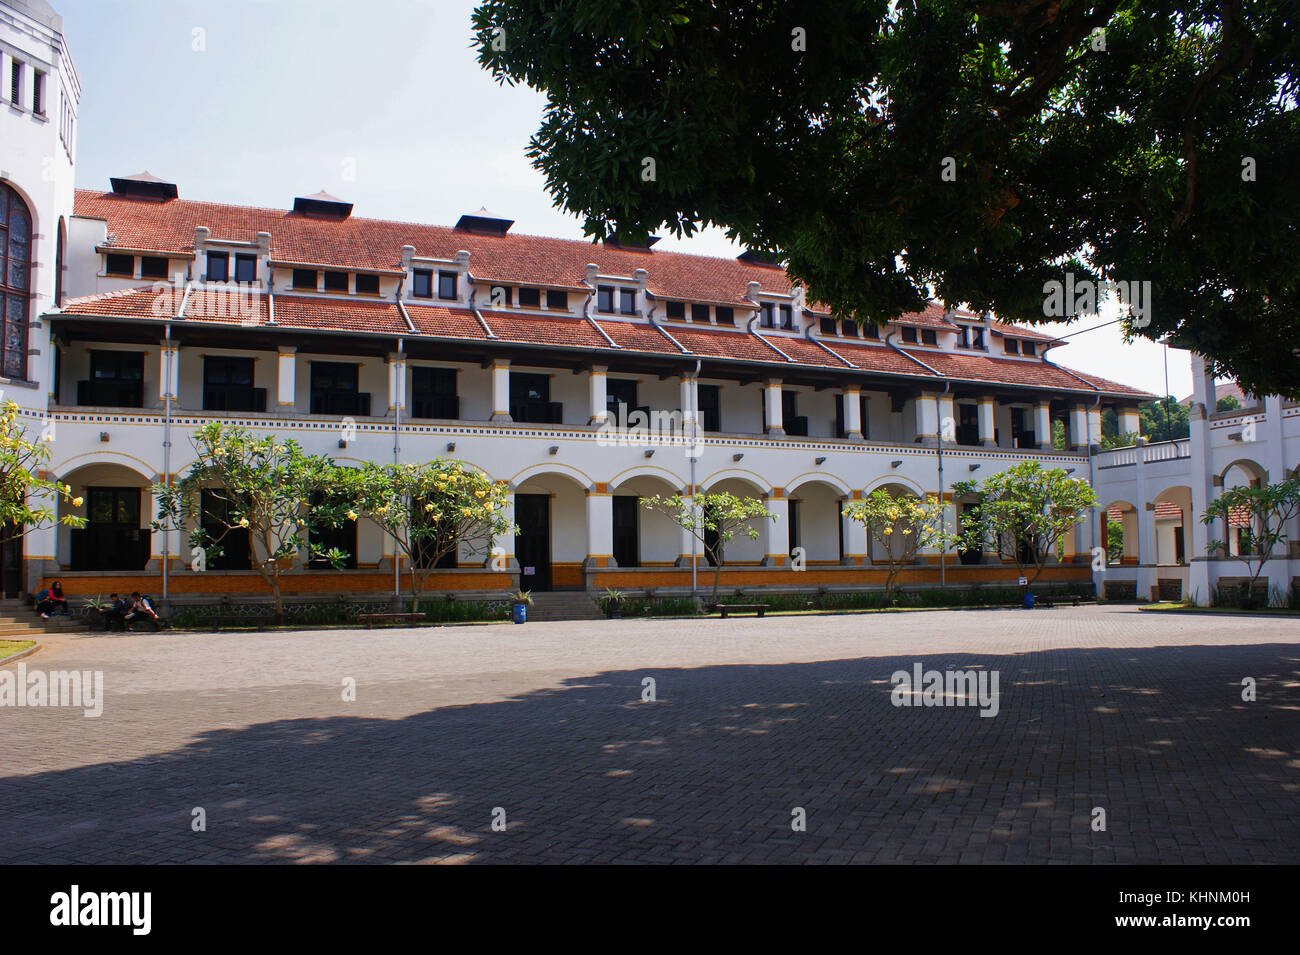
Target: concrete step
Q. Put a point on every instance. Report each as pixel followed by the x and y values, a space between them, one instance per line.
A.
pixel 564 605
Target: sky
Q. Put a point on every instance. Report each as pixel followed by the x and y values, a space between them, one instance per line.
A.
pixel 381 103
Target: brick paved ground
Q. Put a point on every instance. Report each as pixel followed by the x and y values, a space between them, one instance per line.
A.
pixel 1140 714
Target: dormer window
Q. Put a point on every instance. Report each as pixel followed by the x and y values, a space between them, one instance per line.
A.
pixel 1011 346
pixel 700 313
pixel 153 267
pixel 726 315
pixel 787 317
pixel 336 281
pixel 367 283
pixel 676 311
pixel 977 338
pixel 304 279
pixel 627 301
pixel 871 331
pixel 245 268
pixel 1029 348
pixel 530 298
pixel 929 336
pixel 850 329
pixel 768 319
pixel 827 325
pixel 422 283
pixel 909 334
pixel 447 285
pixel 557 298
pixel 118 264
pixel 605 299
pixel 218 267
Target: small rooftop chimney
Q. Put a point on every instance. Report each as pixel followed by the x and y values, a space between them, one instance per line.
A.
pixel 485 222
pixel 143 185
pixel 322 206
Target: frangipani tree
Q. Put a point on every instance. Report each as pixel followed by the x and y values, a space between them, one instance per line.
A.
pixel 270 488
pixel 1266 511
pixel 901 524
pixel 713 519
pixel 27 500
pixel 1024 513
pixel 429 510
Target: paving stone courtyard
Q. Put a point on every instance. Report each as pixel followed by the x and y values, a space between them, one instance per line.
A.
pixel 543 728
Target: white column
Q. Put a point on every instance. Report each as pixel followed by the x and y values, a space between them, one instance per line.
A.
pixel 947 418
pixel 1078 426
pixel 1094 426
pixel 852 399
pixel 772 402
pixel 1129 421
pixel 500 390
pixel 286 386
pixel 396 381
pixel 776 533
pixel 600 527
pixel 689 390
pixel 690 544
pixel 987 434
pixel 1043 425
pixel 855 536
pixel 169 362
pixel 1198 573
pixel 596 396
pixel 1146 529
pixel 927 418
pixel 501 554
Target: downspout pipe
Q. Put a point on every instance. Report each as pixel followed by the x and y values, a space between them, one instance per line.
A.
pixel 695 517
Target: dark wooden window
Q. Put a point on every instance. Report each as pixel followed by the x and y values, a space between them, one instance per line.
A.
pixel 15 279
pixel 767 315
pixel 675 310
pixel 557 298
pixel 335 390
pixel 336 281
pixel 59 251
pixel 112 538
pixel 433 393
pixel 38 92
pixel 1029 348
pixel 850 329
pixel 153 267
pixel 422 283
pixel 304 279
pixel 217 517
pixel 1021 437
pixel 787 317
pixel 700 313
pixel 218 266
pixel 627 301
pixel 116 380
pixel 620 391
pixel 963 336
pixel 228 384
pixel 968 424
pixel 117 264
pixel 447 285
pixel 793 535
pixel 605 298
pixel 530 399
pixel 1011 346
pixel 709 398
pixel 827 325
pixel 977 338
pixel 909 334
pixel 627 537
pixel 726 315
pixel 500 295
pixel 929 336
pixel 530 298
pixel 15 81
pixel 367 283
pixel 871 331
pixel 245 267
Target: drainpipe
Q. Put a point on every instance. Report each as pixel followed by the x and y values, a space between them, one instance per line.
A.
pixel 398 383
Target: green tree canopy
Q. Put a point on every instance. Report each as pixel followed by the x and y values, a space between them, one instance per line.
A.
pixel 890 152
pixel 713 519
pixel 901 524
pixel 1263 513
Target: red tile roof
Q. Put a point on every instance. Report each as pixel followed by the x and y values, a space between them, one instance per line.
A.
pixel 376 244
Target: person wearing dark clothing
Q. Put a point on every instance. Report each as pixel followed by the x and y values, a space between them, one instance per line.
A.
pixel 142 611
pixel 115 615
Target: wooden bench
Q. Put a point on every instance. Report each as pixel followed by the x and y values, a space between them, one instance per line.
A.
pixel 1074 600
pixel 725 609
pixel 370 619
pixel 257 622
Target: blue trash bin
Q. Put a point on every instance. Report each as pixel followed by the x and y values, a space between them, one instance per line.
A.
pixel 1029 600
pixel 520 613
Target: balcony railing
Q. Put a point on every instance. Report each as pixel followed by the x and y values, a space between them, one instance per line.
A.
pixel 531 411
pixel 234 399
pixel 341 403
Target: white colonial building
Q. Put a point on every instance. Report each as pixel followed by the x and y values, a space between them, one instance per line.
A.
pixel 134 315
